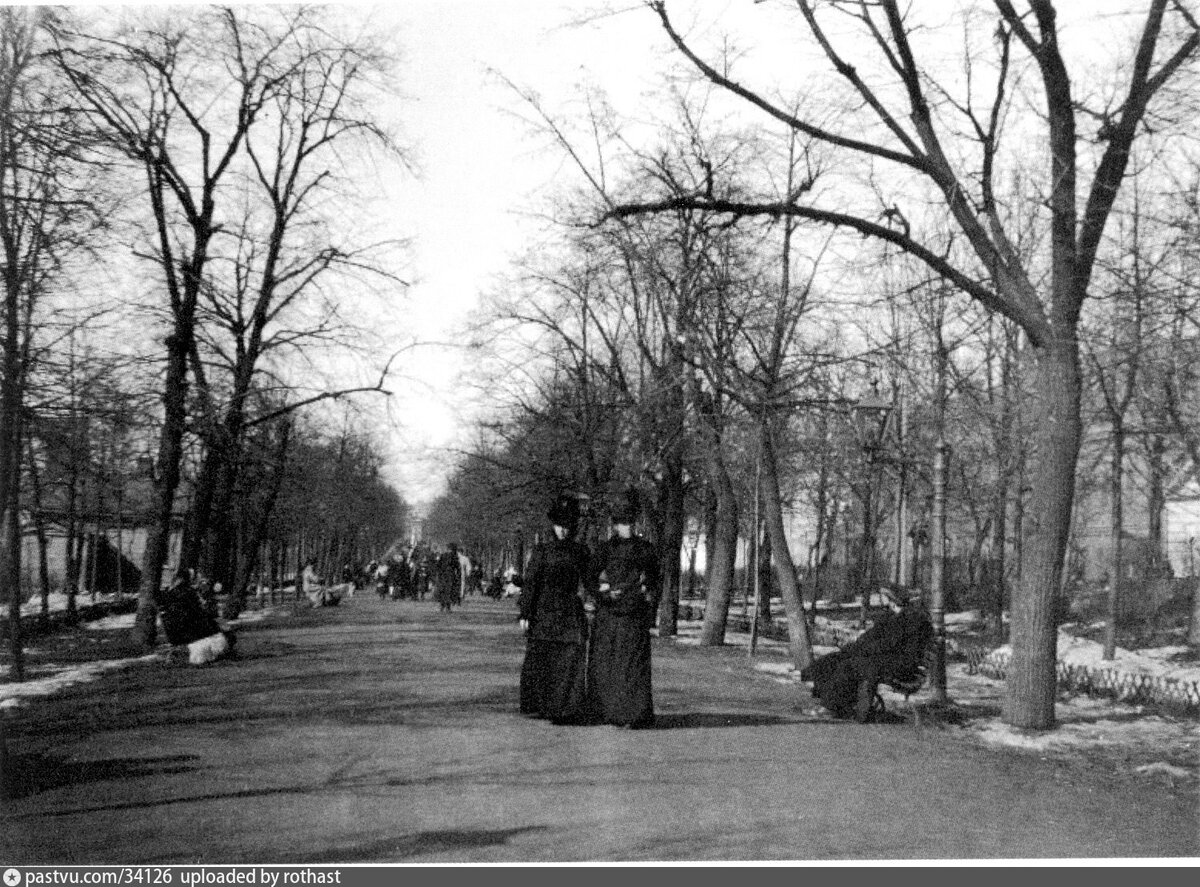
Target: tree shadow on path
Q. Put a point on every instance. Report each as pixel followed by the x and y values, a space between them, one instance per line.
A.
pixel 35 773
pixel 407 846
pixel 693 720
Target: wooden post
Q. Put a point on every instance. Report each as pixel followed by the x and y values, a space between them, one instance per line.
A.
pixel 867 553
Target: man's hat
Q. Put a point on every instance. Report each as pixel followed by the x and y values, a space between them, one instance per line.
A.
pixel 565 511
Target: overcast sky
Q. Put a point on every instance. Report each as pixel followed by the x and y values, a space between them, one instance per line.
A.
pixel 481 173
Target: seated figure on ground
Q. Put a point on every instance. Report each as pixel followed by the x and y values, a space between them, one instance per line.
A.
pixel 187 622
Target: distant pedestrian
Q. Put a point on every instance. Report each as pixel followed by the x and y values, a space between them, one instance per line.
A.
pixel 553 675
pixel 495 587
pixel 627 588
pixel 446 580
pixel 382 580
pixel 318 594
pixel 420 561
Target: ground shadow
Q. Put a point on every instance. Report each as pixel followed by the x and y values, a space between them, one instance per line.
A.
pixel 408 846
pixel 888 717
pixel 261 649
pixel 35 773
pixel 147 804
pixel 954 714
pixel 686 720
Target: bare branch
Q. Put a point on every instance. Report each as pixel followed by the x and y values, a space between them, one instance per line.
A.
pixel 1034 323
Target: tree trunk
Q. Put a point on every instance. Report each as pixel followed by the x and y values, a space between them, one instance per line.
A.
pixel 1193 635
pixel 691 576
pixel 999 522
pixel 221 531
pixel 170 452
pixel 1031 681
pixel 766 585
pixel 719 593
pixel 237 597
pixel 750 552
pixel 1018 507
pixel 799 642
pixel 196 528
pixel 11 437
pixel 43 542
pixel 670 543
pixel 824 533
pixel 11 577
pixel 722 545
pixel 1156 504
pixel 710 535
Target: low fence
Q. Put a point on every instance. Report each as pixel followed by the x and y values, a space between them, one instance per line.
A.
pixel 1098 681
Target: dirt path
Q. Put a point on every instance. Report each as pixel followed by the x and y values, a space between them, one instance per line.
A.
pixel 387 732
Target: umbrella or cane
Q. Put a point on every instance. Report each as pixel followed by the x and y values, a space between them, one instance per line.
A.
pixel 589 615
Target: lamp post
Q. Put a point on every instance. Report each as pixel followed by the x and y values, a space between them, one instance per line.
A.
pixel 871 405
pixel 937 570
pixel 757 566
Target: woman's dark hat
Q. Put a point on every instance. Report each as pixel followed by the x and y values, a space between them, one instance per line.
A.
pixel 625 509
pixel 565 511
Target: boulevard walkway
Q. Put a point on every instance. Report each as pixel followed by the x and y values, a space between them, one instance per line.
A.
pixel 383 731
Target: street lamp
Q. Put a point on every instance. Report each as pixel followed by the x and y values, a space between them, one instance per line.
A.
pixel 937 569
pixel 875 406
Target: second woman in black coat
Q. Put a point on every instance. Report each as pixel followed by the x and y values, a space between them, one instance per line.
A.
pixel 627 587
pixel 553 676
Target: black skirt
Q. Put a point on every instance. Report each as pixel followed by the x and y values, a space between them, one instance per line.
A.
pixel 553 681
pixel 619 677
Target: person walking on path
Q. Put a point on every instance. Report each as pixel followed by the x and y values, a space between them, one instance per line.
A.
pixel 446 579
pixel 554 672
pixel 627 588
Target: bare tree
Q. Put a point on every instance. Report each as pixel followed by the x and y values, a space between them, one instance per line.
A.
pixel 182 126
pixel 1118 350
pixel 42 221
pixel 904 130
pixel 265 306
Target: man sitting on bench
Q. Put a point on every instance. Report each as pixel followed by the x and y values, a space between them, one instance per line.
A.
pixel 890 652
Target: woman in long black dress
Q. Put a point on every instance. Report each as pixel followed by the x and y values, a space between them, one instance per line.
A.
pixel 553 676
pixel 626 579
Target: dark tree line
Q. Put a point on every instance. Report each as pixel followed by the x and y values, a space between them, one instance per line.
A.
pixel 220 149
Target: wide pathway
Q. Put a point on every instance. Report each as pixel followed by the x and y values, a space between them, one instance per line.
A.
pixel 380 731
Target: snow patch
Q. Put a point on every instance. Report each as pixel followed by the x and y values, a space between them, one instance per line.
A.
pixel 59 677
pixel 57 602
pixel 1164 768
pixel 112 623
pixel 1079 651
